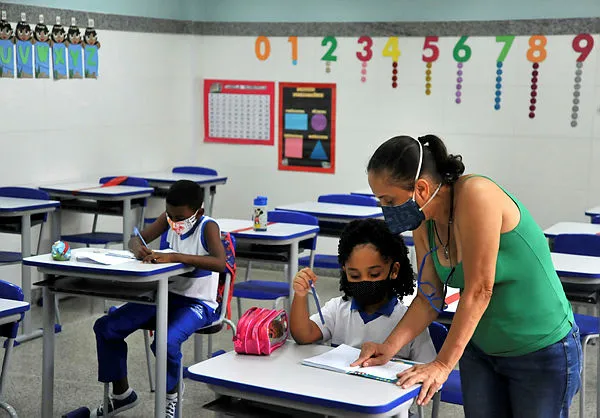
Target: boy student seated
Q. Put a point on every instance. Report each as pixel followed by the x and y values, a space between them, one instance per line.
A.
pixel 195 240
pixel 376 273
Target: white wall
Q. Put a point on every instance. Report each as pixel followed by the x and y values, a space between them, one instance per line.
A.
pixel 548 164
pixel 136 117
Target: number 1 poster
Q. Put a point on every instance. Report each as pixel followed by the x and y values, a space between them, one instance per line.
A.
pixel 307 127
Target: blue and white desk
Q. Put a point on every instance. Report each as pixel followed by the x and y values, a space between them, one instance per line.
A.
pixel 334 212
pixel 572 228
pixel 25 208
pixel 93 191
pixel 364 192
pixel 277 233
pixel 595 211
pixel 10 312
pixel 581 271
pixel 134 273
pixel 280 379
pixel 161 181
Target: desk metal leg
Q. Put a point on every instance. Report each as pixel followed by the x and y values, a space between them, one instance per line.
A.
pixel 162 302
pixel 127 228
pixel 292 270
pixel 56 225
pixel 25 270
pixel 48 354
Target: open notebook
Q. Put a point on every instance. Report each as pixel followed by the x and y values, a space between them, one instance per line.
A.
pixel 107 258
pixel 340 358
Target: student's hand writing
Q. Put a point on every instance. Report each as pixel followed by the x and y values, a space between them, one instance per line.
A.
pixel 302 281
pixel 157 257
pixel 140 250
pixel 373 354
pixel 431 375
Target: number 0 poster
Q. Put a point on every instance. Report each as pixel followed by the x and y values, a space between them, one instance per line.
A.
pixel 307 127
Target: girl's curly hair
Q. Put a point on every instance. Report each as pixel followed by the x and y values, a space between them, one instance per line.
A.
pixel 391 247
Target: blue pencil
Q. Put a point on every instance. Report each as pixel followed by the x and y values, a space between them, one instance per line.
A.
pixel 136 231
pixel 314 292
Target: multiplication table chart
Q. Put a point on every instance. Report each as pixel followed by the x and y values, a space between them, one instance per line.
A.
pixel 239 111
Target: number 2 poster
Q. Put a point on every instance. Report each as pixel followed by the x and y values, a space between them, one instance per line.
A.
pixel 307 127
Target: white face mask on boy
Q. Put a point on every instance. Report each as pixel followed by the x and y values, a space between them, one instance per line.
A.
pixel 182 227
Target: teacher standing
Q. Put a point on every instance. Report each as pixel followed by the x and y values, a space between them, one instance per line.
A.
pixel 513 333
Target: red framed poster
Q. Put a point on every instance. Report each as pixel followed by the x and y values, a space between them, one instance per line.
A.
pixel 307 127
pixel 239 112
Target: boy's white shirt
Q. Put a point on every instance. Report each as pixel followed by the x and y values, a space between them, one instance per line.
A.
pixel 205 283
pixel 345 326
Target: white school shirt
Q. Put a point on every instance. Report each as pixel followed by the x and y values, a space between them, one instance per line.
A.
pixel 198 284
pixel 345 325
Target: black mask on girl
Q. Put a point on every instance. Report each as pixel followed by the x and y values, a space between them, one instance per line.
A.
pixel 368 292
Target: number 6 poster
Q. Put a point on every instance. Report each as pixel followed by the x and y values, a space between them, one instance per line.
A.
pixel 307 127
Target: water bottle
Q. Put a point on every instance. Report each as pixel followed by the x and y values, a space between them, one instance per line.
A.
pixel 259 215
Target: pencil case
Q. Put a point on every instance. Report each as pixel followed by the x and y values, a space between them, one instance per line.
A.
pixel 260 331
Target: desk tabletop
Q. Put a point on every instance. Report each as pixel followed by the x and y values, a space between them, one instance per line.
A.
pixel 94 190
pixel 169 177
pixel 11 307
pixel 334 210
pixel 241 228
pixel 133 268
pixel 17 204
pixel 593 211
pixel 570 265
pixel 572 228
pixel 281 375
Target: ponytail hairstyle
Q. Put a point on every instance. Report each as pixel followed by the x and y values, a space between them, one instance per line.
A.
pixel 398 158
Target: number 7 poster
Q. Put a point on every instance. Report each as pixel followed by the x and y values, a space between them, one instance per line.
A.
pixel 307 127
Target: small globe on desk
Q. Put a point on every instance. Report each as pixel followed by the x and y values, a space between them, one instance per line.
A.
pixel 61 251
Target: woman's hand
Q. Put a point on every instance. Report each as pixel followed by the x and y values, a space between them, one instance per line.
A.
pixel 431 375
pixel 373 354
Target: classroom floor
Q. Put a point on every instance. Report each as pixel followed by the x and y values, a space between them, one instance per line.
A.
pixel 75 372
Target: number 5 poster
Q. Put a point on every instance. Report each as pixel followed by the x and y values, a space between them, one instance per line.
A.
pixel 307 127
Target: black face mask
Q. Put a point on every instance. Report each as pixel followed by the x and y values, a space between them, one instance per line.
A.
pixel 370 292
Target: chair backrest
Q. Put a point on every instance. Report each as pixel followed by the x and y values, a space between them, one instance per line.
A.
pixel 195 170
pixel 24 193
pixel 595 219
pixel 128 181
pixel 438 333
pixel 579 244
pixel 291 217
pixel 348 199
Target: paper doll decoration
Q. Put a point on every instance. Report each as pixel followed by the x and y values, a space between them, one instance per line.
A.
pixel 58 37
pixel 75 51
pixel 41 41
pixel 7 53
pixel 24 42
pixel 90 48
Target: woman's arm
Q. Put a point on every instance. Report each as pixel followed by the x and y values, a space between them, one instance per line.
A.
pixel 419 315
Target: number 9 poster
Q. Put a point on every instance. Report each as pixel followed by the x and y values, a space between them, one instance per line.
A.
pixel 307 127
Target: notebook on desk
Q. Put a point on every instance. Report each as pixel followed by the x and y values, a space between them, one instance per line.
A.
pixel 340 358
pixel 107 258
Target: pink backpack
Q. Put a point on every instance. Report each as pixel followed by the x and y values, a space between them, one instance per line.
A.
pixel 260 331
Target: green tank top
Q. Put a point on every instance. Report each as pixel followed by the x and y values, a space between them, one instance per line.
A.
pixel 528 309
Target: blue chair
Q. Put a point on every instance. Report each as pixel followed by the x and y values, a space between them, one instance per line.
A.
pixel 595 219
pixel 8 331
pixel 266 289
pixel 109 208
pixel 330 261
pixel 12 224
pixel 451 391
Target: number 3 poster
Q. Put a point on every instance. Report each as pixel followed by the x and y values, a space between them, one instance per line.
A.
pixel 307 127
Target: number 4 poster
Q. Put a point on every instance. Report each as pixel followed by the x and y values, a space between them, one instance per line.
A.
pixel 307 127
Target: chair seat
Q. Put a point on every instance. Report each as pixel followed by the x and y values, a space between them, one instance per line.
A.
pixel 324 261
pixel 8 257
pixel 261 290
pixel 451 392
pixel 97 238
pixel 588 325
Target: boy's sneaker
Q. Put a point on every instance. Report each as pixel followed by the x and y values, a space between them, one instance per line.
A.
pixel 117 404
pixel 172 403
